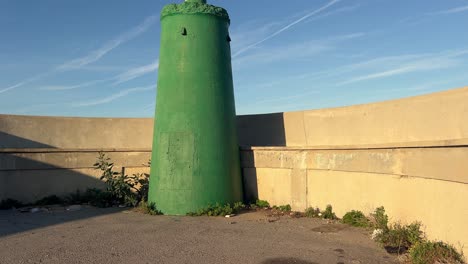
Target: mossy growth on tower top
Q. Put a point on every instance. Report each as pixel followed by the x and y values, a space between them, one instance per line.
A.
pixel 193 7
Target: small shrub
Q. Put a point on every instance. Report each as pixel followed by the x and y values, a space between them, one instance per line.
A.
pixel 312 212
pixel 48 200
pixel 10 204
pixel 238 206
pixel 92 196
pixel 328 213
pixel 380 218
pixel 100 198
pixel 399 238
pixel 129 190
pixel 428 252
pixel 75 198
pixel 262 204
pixel 356 218
pixel 150 208
pixel 285 208
pixel 218 210
pixel 140 184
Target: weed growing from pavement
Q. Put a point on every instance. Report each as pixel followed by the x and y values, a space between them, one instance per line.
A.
pixel 313 212
pixel 51 199
pixel 380 218
pixel 434 252
pixel 219 210
pixel 283 208
pixel 260 204
pixel 149 208
pixel 10 204
pixel 124 188
pixel 328 213
pixel 398 238
pixel 356 218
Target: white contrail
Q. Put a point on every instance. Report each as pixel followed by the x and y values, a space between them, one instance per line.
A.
pixel 286 27
pixel 108 46
pixel 13 87
pixel 24 82
pixel 71 87
pixel 136 72
pixel 453 10
pixel 93 56
pixel 117 79
pixel 115 96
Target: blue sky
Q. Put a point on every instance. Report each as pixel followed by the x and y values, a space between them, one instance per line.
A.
pixel 100 58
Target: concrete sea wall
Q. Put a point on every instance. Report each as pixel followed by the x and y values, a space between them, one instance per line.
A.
pixel 408 155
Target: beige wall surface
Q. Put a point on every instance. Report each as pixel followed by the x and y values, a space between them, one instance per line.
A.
pixel 72 132
pixel 400 179
pixel 409 155
pixel 31 174
pixel 437 117
pixel 434 117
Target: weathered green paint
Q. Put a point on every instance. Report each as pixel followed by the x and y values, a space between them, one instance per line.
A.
pixel 195 159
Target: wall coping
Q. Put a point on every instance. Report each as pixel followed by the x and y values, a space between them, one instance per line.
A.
pixel 56 150
pixel 454 143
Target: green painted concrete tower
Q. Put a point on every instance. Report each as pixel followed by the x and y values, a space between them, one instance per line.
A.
pixel 195 158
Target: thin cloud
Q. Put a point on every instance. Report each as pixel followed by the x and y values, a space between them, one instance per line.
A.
pixel 287 27
pixel 13 87
pixel 451 11
pixel 24 82
pixel 423 63
pixel 71 87
pixel 136 72
pixel 293 51
pixel 115 96
pixel 108 46
pixel 92 56
pixel 126 76
pixel 334 12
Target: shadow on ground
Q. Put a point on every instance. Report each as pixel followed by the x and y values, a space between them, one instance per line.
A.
pixel 29 179
pixel 287 261
pixel 13 221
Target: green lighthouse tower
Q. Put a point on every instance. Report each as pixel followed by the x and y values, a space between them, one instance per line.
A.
pixel 195 157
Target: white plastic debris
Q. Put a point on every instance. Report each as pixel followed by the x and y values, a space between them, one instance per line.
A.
pixel 376 233
pixel 35 210
pixel 75 207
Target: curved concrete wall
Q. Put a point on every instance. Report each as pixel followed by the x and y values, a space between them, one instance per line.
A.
pixel 76 133
pixel 409 155
pixel 440 117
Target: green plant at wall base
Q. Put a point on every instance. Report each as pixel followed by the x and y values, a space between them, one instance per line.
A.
pixel 262 204
pixel 129 190
pixel 399 238
pixel 92 196
pixel 7 204
pixel 48 200
pixel 238 206
pixel 283 208
pixel 328 213
pixel 219 210
pixel 312 212
pixel 380 218
pixel 150 208
pixel 356 218
pixel 428 252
